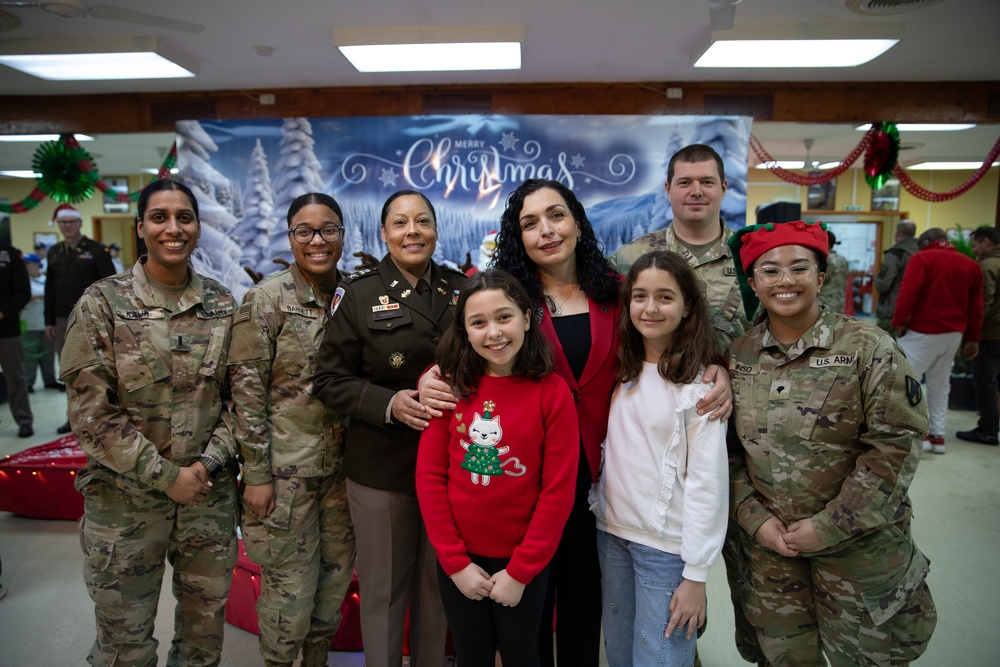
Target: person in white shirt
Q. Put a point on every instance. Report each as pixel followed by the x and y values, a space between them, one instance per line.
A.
pixel 662 497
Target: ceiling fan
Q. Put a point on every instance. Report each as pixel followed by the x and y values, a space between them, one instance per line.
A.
pixel 722 13
pixel 74 9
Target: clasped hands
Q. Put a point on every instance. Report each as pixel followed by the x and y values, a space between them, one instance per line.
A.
pixel 790 541
pixel 475 584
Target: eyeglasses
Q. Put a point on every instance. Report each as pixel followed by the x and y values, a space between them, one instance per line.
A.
pixel 769 276
pixel 330 233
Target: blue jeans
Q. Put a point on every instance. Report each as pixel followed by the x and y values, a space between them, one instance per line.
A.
pixel 637 584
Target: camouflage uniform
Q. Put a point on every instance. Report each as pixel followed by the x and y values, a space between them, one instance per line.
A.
pixel 287 438
pixel 147 393
pixel 717 276
pixel 833 294
pixel 715 272
pixel 831 430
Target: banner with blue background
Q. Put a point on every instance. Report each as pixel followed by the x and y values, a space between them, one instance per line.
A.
pixel 246 173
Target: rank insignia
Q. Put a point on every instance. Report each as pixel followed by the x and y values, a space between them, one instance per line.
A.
pixel 396 360
pixel 393 283
pixel 442 292
pixel 405 293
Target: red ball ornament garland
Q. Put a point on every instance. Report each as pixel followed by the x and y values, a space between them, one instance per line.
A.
pixel 797 179
pixel 922 193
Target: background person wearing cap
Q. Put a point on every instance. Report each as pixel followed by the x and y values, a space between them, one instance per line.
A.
pixel 829 418
pixel 15 293
pixel 74 264
pixel 115 250
pixel 39 350
pixel 42 251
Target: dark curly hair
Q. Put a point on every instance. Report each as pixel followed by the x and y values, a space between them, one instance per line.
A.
pixel 462 365
pixel 597 277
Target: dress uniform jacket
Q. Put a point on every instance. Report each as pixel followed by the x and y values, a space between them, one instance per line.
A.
pixel 70 272
pixel 381 337
pixel 280 427
pixel 146 386
pixel 715 273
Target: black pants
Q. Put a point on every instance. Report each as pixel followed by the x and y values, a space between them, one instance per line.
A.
pixel 574 587
pixel 480 627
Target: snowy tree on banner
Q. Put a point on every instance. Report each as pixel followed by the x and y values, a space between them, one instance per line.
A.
pixel 725 136
pixel 258 220
pixel 662 215
pixel 296 174
pixel 217 255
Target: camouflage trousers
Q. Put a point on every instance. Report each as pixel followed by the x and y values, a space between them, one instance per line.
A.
pixel 127 539
pixel 866 603
pixel 736 558
pixel 305 549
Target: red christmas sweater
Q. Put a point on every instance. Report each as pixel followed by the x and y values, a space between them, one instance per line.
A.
pixel 496 477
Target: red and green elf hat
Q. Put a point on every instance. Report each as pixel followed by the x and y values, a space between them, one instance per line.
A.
pixel 749 243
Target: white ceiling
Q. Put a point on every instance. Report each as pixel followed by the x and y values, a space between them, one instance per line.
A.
pixel 565 41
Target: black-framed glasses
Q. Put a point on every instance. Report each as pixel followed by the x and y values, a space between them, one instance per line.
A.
pixel 303 234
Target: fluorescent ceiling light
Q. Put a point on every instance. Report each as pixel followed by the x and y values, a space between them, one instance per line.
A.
pixel 939 166
pixel 154 172
pixel 783 164
pixel 20 173
pixel 104 59
pixel 828 165
pixel 797 45
pixel 40 137
pixel 432 49
pixel 924 127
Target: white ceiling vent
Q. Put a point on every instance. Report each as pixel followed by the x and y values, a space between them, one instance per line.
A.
pixel 889 7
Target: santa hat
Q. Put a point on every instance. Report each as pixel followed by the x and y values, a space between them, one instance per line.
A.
pixel 749 243
pixel 66 212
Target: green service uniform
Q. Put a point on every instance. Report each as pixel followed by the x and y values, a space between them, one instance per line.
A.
pixel 148 393
pixel 71 270
pixel 714 270
pixel 381 337
pixel 287 438
pixel 831 428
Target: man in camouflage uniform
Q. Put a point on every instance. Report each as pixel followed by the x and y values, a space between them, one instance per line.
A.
pixel 147 391
pixel 890 274
pixel 830 426
pixel 292 443
pixel 833 294
pixel 696 184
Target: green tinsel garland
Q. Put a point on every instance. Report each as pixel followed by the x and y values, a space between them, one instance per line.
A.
pixel 63 176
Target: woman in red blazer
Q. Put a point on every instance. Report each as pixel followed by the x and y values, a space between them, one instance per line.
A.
pixel 549 245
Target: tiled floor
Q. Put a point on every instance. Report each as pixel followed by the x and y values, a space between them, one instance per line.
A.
pixel 47 619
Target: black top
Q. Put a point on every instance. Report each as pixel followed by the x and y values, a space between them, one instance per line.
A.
pixel 574 336
pixel 70 272
pixel 15 290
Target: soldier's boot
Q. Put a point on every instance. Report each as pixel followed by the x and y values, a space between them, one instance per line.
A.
pixel 314 654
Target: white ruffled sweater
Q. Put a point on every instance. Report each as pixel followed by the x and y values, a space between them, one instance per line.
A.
pixel 665 479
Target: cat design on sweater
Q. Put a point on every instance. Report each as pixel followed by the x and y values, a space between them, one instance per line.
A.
pixel 482 457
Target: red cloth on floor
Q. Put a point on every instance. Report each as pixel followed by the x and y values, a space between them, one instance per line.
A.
pixel 241 608
pixel 38 482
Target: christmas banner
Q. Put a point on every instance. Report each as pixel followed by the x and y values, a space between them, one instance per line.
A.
pixel 246 173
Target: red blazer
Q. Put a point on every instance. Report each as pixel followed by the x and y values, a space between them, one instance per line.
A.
pixel 593 392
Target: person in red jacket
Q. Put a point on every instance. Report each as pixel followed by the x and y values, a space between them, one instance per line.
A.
pixel 496 475
pixel 940 305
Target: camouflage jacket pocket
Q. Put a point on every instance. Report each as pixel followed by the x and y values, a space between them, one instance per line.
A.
pixel 137 361
pixel 885 600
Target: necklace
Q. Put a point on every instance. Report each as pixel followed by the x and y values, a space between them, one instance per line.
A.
pixel 556 307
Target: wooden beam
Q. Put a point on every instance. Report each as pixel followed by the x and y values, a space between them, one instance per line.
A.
pixel 836 102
